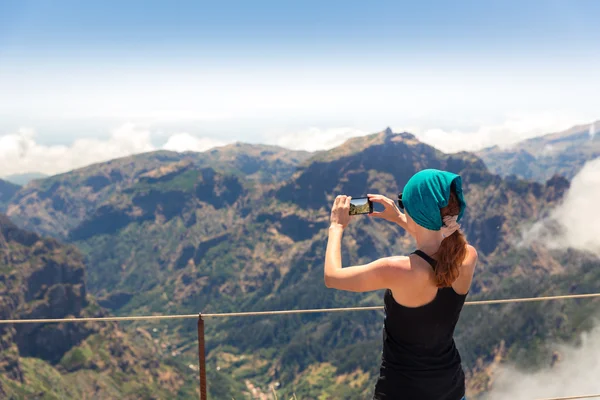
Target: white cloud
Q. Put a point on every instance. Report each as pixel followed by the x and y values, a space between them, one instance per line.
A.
pixel 313 139
pixel 576 373
pixel 185 142
pixel 20 153
pixel 575 223
pixel 516 127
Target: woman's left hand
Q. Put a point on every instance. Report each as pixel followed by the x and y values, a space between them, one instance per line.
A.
pixel 340 213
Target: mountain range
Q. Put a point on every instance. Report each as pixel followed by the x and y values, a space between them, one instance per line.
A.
pixel 244 228
pixel 540 158
pixel 24 179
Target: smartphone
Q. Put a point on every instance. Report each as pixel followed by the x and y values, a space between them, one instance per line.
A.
pixel 361 205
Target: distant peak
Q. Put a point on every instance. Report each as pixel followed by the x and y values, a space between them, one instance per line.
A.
pixel 389 134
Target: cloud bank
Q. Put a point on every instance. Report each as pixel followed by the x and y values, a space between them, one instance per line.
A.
pixel 576 373
pixel 21 153
pixel 314 139
pixel 575 223
pixel 181 142
pixel 515 128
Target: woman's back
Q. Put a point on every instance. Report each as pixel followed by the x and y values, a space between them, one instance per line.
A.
pixel 420 359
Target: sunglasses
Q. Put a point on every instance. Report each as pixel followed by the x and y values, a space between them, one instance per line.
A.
pixel 400 203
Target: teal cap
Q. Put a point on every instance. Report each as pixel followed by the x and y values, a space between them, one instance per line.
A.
pixel 427 192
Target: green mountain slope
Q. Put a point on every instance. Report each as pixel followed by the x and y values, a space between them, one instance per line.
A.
pixel 540 158
pixel 7 191
pixel 260 163
pixel 181 237
pixel 41 278
pixel 56 205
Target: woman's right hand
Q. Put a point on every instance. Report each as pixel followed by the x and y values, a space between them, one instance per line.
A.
pixel 390 212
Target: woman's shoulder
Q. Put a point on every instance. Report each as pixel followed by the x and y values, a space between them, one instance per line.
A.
pixel 472 252
pixel 471 258
pixel 462 285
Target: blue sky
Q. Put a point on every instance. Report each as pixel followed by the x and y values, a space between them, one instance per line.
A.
pixel 269 30
pixel 277 72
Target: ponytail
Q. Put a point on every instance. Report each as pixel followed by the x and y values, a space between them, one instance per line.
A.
pixel 453 250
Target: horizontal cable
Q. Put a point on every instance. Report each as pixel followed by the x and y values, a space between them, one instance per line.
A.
pixel 586 396
pixel 530 299
pixel 278 312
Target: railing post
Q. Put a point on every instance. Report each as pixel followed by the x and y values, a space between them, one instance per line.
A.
pixel 201 358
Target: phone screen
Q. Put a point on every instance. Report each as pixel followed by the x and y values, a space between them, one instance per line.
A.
pixel 361 205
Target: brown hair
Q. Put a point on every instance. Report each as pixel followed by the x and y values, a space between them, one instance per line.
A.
pixel 453 249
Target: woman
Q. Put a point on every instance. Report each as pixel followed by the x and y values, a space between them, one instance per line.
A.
pixel 425 290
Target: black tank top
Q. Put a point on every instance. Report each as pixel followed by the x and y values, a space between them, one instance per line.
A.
pixel 420 360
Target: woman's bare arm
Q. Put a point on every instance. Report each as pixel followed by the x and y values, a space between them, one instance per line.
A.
pixel 390 212
pixel 363 278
